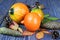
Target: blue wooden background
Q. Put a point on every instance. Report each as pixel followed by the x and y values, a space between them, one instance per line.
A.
pixel 52 8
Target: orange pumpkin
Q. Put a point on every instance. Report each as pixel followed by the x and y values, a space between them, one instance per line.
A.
pixel 18 11
pixel 32 22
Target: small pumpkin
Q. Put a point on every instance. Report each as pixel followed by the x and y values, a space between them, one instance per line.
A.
pixel 38 10
pixel 32 22
pixel 18 11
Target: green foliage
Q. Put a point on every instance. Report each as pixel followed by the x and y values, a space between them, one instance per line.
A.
pixel 47 18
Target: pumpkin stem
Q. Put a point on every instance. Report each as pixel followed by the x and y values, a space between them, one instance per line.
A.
pixel 37 4
pixel 11 11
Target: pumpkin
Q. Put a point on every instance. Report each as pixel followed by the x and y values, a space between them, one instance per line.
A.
pixel 32 22
pixel 38 9
pixel 18 11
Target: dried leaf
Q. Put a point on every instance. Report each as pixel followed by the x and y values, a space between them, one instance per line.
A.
pixel 28 33
pixel 39 35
